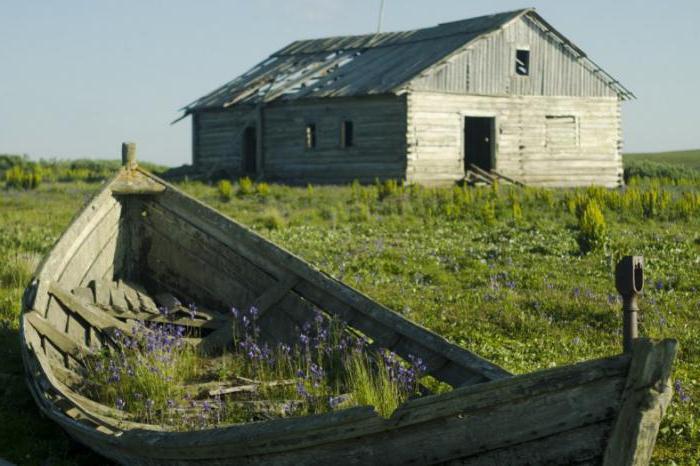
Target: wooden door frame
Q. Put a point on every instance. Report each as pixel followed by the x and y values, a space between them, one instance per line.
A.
pixel 463 115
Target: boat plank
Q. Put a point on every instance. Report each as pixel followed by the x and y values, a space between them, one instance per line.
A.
pixel 60 340
pixel 93 243
pixel 376 440
pixel 71 240
pixel 576 447
pixel 133 182
pixel 647 394
pixel 94 317
pixel 222 261
pixel 105 259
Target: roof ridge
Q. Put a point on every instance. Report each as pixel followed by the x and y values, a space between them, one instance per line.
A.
pixel 411 33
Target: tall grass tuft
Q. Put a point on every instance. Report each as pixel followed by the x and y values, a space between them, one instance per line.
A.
pixel 272 219
pixel 263 189
pixel 246 187
pixel 17 270
pixel 145 373
pixel 592 228
pixel 225 190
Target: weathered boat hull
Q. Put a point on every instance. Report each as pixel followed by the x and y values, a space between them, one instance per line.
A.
pixel 142 230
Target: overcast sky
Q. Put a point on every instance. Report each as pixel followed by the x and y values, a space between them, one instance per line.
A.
pixel 78 77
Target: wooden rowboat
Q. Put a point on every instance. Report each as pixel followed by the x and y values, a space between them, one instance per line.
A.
pixel 141 236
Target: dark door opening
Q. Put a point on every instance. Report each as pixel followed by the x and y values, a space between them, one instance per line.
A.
pixel 478 142
pixel 249 150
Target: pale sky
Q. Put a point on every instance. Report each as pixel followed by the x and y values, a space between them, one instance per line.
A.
pixel 78 77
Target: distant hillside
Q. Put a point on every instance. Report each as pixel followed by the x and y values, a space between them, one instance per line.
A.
pixel 687 158
pixel 679 165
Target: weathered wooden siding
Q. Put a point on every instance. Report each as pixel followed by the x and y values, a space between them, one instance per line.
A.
pixel 487 67
pixel 217 136
pixel 378 151
pixel 435 138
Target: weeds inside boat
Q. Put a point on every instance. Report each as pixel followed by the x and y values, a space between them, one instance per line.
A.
pixel 154 376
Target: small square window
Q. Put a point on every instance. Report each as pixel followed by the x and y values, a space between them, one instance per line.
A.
pixel 347 134
pixel 310 136
pixel 522 62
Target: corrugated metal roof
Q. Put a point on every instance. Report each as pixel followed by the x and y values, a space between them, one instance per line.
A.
pixel 352 65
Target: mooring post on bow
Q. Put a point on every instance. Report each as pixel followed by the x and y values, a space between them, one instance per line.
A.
pixel 629 281
pixel 129 155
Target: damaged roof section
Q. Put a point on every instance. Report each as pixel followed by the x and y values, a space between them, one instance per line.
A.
pixel 348 66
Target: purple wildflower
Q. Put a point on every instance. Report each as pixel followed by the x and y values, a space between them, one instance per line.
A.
pixel 192 311
pixel 234 313
pixel 334 401
pixel 682 395
pixel 318 318
pixel 120 404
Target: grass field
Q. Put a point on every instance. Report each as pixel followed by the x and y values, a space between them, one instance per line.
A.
pixel 507 282
pixel 686 158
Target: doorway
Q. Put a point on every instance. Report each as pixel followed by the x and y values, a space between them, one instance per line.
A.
pixel 249 150
pixel 479 134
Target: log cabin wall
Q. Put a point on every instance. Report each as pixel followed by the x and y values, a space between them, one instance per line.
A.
pixel 542 141
pixel 557 125
pixel 378 148
pixel 217 136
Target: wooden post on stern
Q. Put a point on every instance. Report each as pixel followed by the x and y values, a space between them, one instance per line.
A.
pixel 629 281
pixel 129 155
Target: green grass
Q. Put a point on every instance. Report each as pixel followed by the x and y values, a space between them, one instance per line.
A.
pixel 686 158
pixel 506 282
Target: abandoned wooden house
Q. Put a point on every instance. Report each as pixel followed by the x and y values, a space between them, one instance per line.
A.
pixel 505 95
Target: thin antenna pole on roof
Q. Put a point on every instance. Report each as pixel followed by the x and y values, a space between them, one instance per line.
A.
pixel 381 16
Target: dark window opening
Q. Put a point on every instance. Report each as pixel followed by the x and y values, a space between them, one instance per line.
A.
pixel 310 136
pixel 347 134
pixel 522 62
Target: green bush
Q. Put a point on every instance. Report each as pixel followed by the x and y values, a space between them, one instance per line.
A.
pixel 388 188
pixel 263 189
pixel 225 190
pixel 635 170
pixel 23 178
pixel 246 187
pixel 488 212
pixel 517 212
pixel 592 228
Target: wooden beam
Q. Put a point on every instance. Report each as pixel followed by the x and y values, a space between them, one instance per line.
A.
pixel 59 339
pixel 224 335
pixel 94 317
pixel 646 396
pixel 134 182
